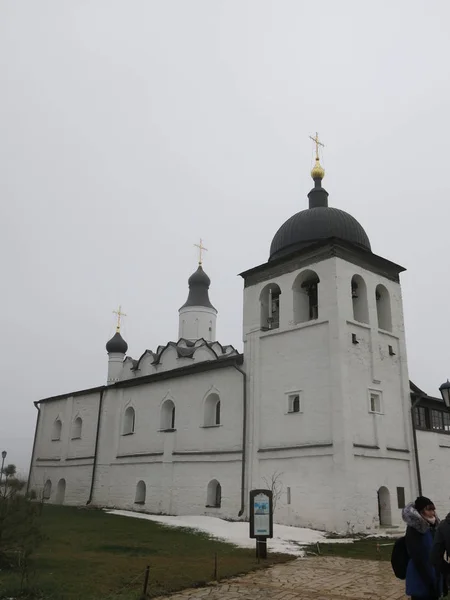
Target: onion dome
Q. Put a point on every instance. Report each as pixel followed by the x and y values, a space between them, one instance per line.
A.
pixel 116 344
pixel 199 283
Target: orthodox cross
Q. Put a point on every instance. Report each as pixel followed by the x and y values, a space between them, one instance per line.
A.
pixel 119 314
pixel 200 247
pixel 317 143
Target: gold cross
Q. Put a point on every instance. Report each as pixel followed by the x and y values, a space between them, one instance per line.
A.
pixel 200 247
pixel 119 314
pixel 316 141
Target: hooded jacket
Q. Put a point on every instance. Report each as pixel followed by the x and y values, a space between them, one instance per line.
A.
pixel 421 576
pixel 442 545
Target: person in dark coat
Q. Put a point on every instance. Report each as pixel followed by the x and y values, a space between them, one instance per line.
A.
pixel 422 580
pixel 441 548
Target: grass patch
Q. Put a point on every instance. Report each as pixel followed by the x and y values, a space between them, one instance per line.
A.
pixel 364 549
pixel 91 555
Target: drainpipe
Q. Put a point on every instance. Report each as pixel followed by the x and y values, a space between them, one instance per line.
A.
pixel 244 438
pixel 416 451
pixel 34 444
pixel 97 435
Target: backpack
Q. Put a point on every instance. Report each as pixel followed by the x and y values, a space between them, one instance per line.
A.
pixel 400 558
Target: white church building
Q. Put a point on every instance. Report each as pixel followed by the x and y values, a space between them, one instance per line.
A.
pixel 320 399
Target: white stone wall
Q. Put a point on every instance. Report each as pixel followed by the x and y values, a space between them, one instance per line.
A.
pixel 176 466
pixel 67 458
pixel 197 322
pixel 434 460
pixel 334 378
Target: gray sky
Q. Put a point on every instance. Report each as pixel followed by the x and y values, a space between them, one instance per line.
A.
pixel 131 128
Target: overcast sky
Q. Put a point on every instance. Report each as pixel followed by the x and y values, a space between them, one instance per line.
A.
pixel 129 129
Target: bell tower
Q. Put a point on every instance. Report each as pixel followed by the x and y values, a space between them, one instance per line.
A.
pixel 325 354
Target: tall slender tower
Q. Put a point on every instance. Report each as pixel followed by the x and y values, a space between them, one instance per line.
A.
pixel 116 348
pixel 197 316
pixel 325 353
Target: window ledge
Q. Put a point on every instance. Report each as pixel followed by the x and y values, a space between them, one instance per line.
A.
pixel 128 433
pixel 212 506
pixel 140 502
pixel 358 323
pixel 292 327
pixel 56 439
pixel 294 412
pixel 78 437
pixel 166 430
pixel 389 333
pixel 376 412
pixel 211 426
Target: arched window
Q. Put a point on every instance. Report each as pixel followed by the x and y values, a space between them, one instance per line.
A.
pixel 47 490
pixel 76 428
pixel 56 432
pixel 218 413
pixel 212 410
pixel 168 416
pixel 270 306
pixel 359 299
pixel 129 419
pixel 61 491
pixel 214 494
pixel 306 296
pixel 383 308
pixel 140 493
pixel 384 507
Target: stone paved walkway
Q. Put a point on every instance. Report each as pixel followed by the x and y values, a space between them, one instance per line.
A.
pixel 311 579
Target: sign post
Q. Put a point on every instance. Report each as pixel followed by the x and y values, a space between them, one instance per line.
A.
pixel 261 519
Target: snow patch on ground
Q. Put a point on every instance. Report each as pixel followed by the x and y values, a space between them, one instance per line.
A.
pixel 286 539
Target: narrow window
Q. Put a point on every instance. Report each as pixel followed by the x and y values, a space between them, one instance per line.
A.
pixel 214 494
pixel 77 427
pixel 47 490
pixel 401 497
pixel 359 299
pixel 218 413
pixel 168 416
pixel 420 417
pixel 294 403
pixel 129 421
pixel 288 492
pixel 140 493
pixel 211 416
pixel 375 402
pixel 383 308
pixel 270 307
pixel 306 297
pixel 446 417
pixel 437 420
pixel 56 433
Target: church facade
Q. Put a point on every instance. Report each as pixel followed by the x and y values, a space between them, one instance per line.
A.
pixel 319 405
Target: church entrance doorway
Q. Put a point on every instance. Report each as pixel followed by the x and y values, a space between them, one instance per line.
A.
pixel 384 507
pixel 61 491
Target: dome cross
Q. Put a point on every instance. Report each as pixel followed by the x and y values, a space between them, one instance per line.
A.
pixel 119 314
pixel 317 143
pixel 201 248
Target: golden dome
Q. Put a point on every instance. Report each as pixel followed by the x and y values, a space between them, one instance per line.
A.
pixel 317 172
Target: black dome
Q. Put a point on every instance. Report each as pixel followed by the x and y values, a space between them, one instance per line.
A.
pixel 315 224
pixel 199 283
pixel 117 344
pixel 199 278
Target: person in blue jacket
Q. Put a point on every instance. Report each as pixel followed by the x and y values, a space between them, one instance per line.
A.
pixel 422 580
